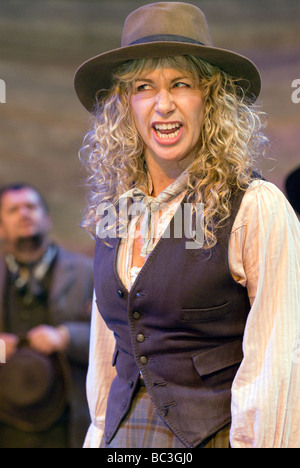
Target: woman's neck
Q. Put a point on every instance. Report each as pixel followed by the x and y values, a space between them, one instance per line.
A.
pixel 162 176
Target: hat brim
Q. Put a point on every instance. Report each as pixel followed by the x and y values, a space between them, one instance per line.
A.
pixel 96 73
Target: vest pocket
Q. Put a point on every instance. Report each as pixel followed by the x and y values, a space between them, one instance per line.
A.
pixel 219 358
pixel 205 315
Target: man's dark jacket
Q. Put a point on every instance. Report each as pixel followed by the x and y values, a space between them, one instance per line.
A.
pixel 70 299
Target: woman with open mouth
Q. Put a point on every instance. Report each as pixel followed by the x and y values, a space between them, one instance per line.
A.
pixel 195 331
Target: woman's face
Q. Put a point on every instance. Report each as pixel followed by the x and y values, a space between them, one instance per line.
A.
pixel 168 109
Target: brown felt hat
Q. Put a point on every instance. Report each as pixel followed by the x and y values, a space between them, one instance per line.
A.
pixel 162 30
pixel 34 390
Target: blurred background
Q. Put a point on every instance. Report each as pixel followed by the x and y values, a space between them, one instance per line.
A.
pixel 42 124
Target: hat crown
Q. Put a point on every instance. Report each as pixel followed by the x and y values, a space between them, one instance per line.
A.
pixel 166 19
pixel 26 378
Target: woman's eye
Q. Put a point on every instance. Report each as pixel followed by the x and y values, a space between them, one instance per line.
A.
pixel 143 87
pixel 181 84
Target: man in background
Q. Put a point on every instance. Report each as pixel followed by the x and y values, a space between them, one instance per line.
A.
pixel 45 302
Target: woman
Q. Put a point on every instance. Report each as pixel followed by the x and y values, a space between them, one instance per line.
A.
pixel 194 318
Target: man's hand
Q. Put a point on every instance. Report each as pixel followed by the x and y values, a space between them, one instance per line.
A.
pixel 48 340
pixel 11 344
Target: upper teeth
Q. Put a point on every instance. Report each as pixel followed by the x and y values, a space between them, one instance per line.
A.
pixel 165 126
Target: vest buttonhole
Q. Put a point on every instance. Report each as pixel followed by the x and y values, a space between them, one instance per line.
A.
pixel 160 384
pixel 168 406
pixel 139 294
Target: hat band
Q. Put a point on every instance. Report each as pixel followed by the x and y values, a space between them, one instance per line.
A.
pixel 165 38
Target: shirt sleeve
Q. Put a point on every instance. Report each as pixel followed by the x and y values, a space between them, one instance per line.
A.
pixel 264 255
pixel 100 376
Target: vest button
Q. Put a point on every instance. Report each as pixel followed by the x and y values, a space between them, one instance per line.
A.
pixel 143 360
pixel 140 338
pixel 120 293
pixel 136 315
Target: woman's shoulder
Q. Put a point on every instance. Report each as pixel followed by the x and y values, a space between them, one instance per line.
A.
pixel 264 191
pixel 264 200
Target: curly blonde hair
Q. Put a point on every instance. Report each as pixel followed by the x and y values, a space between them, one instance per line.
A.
pixel 231 135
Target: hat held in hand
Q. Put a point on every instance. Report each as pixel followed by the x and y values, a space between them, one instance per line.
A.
pixel 34 390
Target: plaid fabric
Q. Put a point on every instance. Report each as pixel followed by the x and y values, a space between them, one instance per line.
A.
pixel 143 428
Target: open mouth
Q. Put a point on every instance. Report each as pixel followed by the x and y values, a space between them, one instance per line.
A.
pixel 167 131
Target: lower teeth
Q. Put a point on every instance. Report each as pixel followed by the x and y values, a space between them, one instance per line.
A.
pixel 168 135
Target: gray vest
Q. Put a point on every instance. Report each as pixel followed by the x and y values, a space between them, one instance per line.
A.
pixel 182 326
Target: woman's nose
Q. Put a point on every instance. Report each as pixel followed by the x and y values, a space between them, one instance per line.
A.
pixel 164 102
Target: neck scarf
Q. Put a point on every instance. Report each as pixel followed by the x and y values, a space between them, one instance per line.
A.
pixel 149 205
pixel 28 277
